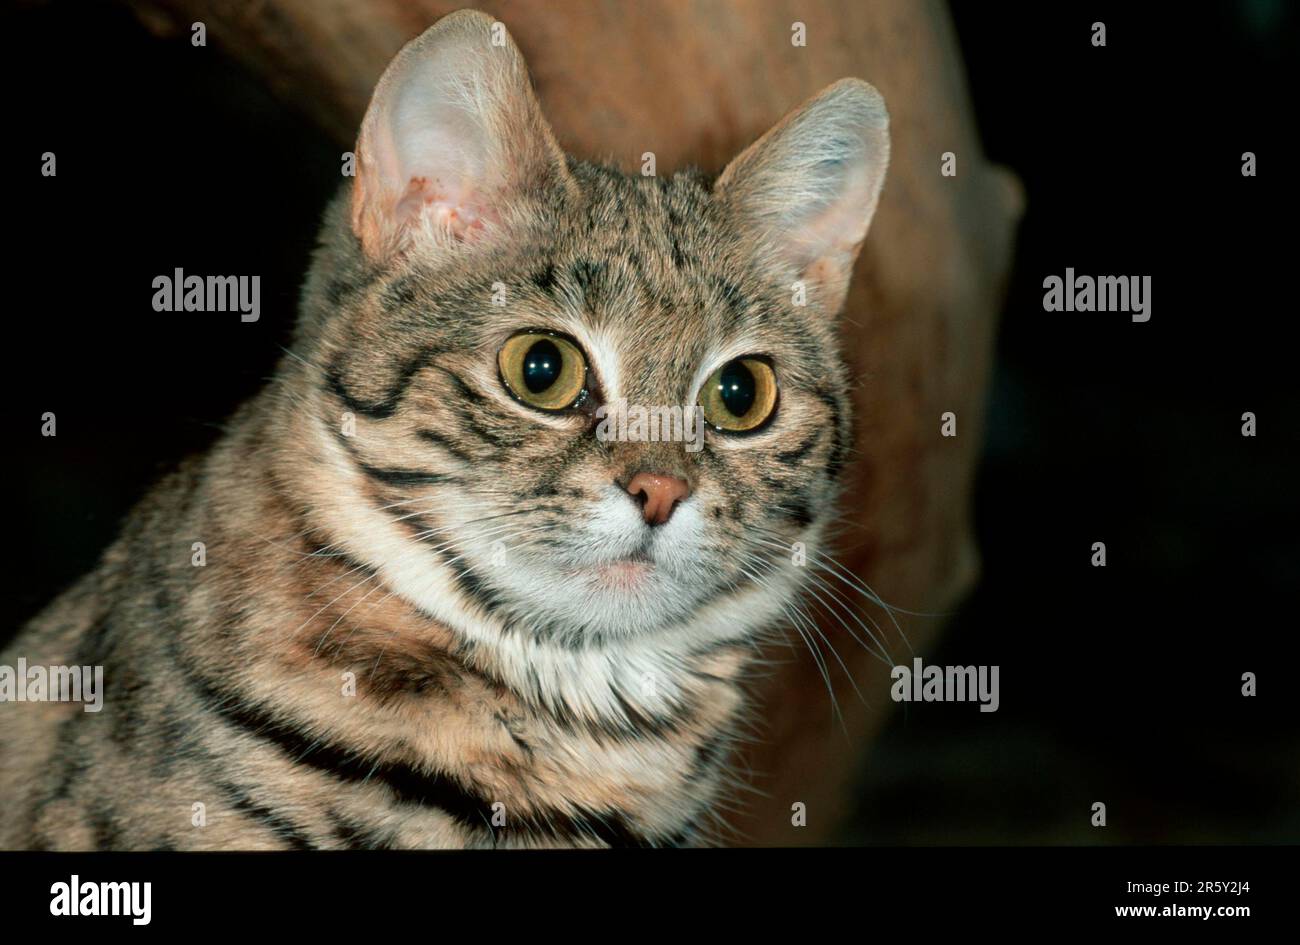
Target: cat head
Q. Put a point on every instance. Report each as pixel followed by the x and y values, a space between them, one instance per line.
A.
pixel 491 318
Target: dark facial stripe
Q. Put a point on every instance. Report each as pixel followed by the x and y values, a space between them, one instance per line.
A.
pixel 443 443
pixel 797 455
pixel 387 405
pixel 462 387
pixel 544 278
pixel 469 583
pixel 389 476
pixel 796 509
pixel 731 293
pixel 839 449
pixel 405 477
pixel 472 424
pixel 314 549
pixel 585 272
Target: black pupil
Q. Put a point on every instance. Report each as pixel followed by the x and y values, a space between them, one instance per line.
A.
pixel 541 366
pixel 737 388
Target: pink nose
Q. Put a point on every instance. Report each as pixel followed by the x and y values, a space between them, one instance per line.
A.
pixel 660 495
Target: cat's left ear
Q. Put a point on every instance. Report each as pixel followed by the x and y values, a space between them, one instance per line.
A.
pixel 453 141
pixel 809 187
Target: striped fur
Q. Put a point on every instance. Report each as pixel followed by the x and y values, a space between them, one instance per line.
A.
pixel 386 512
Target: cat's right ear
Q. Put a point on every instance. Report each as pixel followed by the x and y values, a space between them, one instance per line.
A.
pixel 453 140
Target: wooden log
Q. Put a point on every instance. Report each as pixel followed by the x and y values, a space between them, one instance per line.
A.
pixel 694 82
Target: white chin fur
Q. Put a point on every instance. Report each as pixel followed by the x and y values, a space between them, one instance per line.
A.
pixel 649 635
pixel 589 587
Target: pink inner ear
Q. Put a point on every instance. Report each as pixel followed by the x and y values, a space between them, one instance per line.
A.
pixel 424 197
pixel 838 228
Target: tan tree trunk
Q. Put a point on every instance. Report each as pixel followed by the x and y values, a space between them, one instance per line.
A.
pixel 694 82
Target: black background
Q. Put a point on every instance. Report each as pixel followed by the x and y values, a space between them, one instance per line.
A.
pixel 1119 684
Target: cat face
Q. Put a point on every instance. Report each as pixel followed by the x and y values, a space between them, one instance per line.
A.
pixel 495 317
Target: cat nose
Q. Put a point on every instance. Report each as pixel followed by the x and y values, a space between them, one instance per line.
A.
pixel 657 494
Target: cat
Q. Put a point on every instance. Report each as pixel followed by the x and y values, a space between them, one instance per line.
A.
pixel 410 599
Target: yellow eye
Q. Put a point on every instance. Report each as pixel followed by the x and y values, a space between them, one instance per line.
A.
pixel 740 395
pixel 544 371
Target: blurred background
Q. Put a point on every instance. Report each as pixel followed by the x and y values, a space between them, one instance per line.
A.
pixel 1119 685
pixel 1122 684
